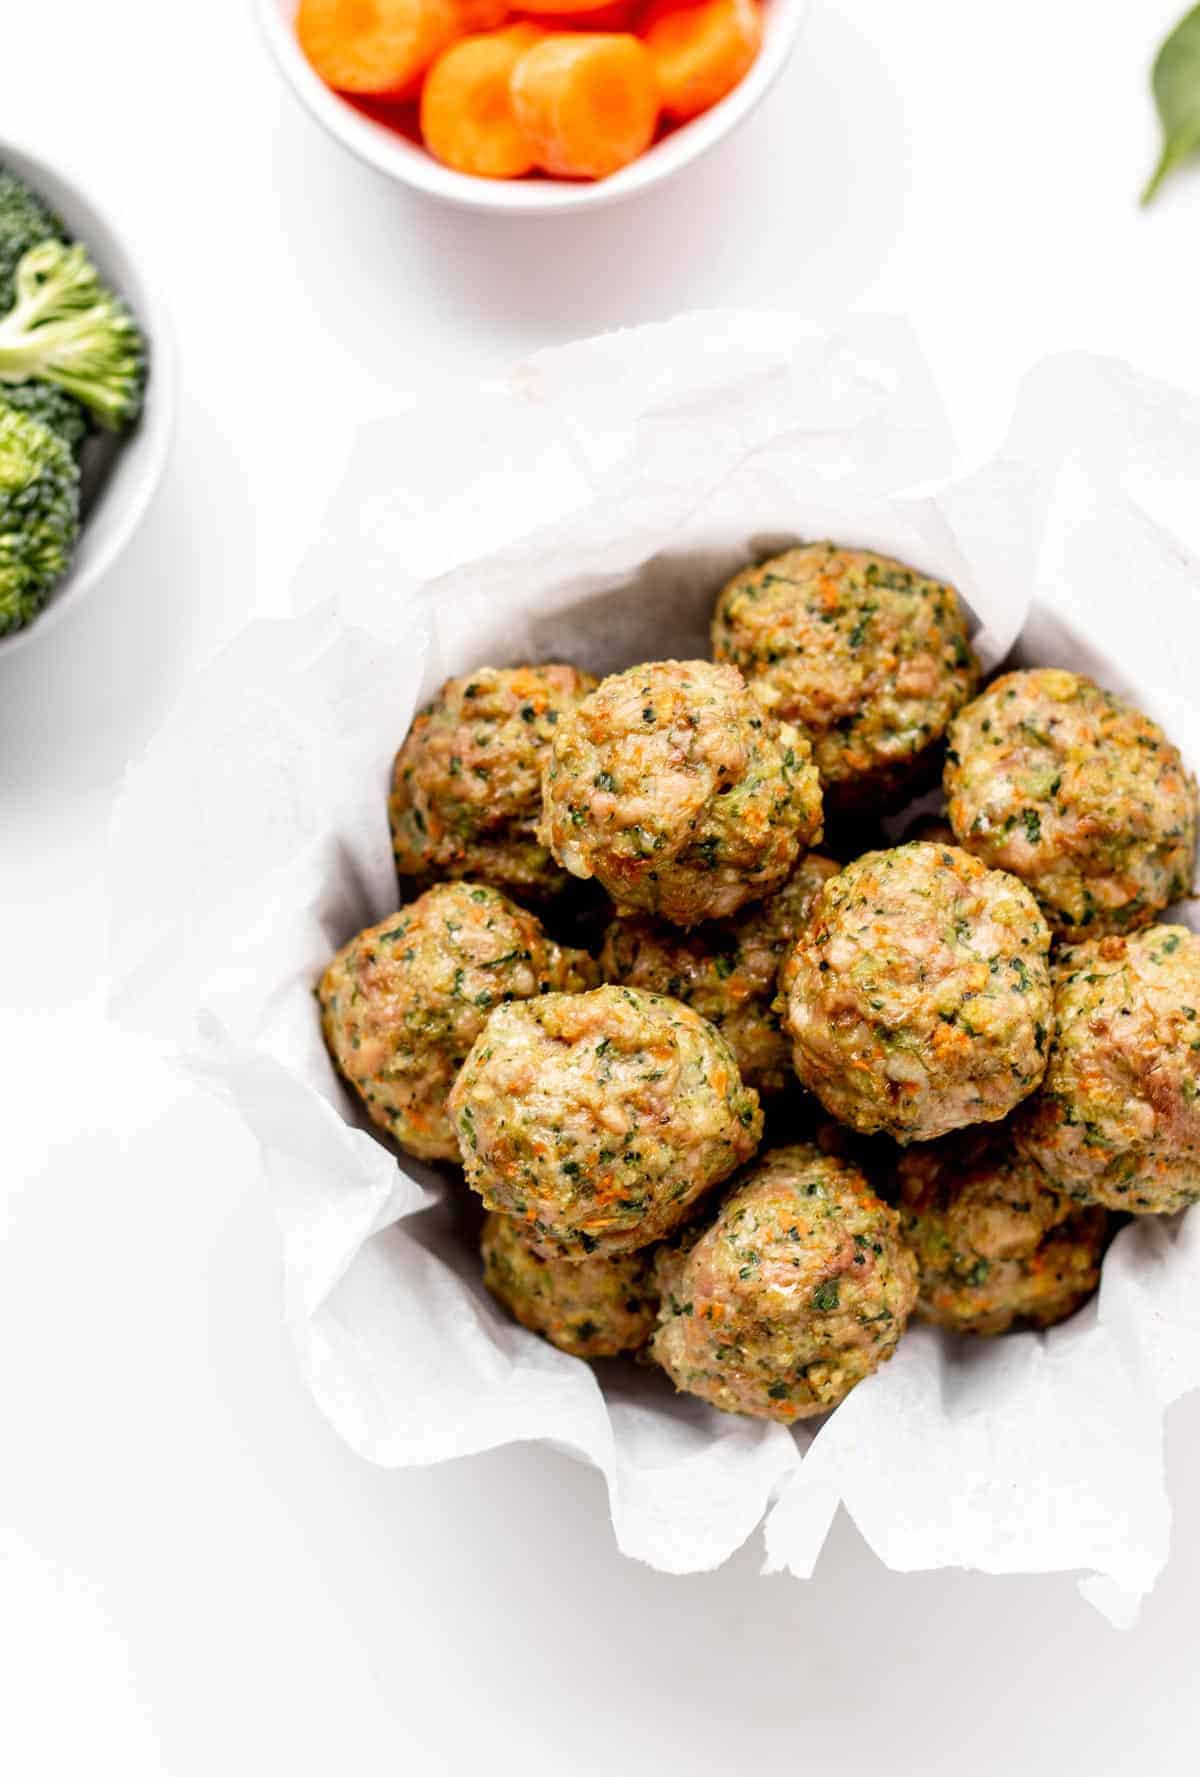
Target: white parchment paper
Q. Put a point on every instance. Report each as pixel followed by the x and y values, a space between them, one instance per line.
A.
pixel 589 507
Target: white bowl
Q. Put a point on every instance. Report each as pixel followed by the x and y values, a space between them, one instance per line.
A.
pixel 382 148
pixel 119 474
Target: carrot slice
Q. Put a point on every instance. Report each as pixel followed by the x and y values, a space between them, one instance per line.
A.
pixel 375 47
pixel 481 15
pixel 588 102
pixel 467 115
pixel 701 52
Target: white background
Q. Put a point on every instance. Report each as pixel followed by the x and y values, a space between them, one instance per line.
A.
pixel 194 1575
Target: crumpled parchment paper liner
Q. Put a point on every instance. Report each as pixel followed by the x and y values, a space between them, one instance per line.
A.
pixel 589 506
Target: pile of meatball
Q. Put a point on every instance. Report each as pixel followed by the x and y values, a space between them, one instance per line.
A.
pixel 969 1052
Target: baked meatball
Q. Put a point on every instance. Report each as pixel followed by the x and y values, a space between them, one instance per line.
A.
pixel 673 788
pixel 798 1289
pixel 727 970
pixel 589 1307
pixel 1078 794
pixel 996 1246
pixel 869 658
pixel 600 1118
pixel 1117 1120
pixel 466 785
pixel 918 994
pixel 402 1003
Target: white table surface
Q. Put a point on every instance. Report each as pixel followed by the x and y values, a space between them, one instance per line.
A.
pixel 195 1576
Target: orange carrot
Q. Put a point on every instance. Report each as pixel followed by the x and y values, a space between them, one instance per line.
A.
pixel 481 15
pixel 467 115
pixel 587 102
pixel 375 47
pixel 700 52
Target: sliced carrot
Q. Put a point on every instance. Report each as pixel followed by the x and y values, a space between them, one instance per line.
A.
pixel 587 101
pixel 467 116
pixel 524 33
pixel 482 15
pixel 701 52
pixel 374 46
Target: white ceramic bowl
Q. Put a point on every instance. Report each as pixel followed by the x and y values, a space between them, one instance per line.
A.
pixel 119 475
pixel 392 154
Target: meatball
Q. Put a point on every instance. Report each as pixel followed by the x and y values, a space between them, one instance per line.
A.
pixel 918 995
pixel 600 1118
pixel 677 793
pixel 1117 1121
pixel 588 1307
pixel 466 785
pixel 798 1289
pixel 403 1002
pixel 726 970
pixel 869 658
pixel 1078 794
pixel 996 1246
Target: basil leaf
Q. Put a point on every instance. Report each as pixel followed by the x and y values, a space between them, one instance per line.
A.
pixel 1177 95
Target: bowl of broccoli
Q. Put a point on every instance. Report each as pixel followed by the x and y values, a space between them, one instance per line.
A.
pixel 85 395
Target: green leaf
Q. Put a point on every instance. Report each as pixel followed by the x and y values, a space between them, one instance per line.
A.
pixel 1176 83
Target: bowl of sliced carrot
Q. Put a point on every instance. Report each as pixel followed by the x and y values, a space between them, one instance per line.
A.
pixel 534 107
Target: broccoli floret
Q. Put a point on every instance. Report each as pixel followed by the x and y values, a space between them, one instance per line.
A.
pixel 54 407
pixel 24 221
pixel 65 328
pixel 39 515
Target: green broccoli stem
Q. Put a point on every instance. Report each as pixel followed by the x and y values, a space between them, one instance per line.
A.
pixel 65 328
pixel 77 356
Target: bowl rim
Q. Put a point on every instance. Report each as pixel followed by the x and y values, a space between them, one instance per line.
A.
pixel 411 165
pixel 135 474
